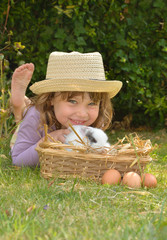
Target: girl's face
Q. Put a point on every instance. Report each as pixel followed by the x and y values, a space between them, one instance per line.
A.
pixel 77 110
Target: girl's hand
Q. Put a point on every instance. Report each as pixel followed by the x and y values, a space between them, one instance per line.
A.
pixel 58 135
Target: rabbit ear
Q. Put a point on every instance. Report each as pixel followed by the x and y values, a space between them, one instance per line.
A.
pixel 90 136
pixel 97 137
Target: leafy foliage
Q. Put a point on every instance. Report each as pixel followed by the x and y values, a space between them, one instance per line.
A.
pixel 131 36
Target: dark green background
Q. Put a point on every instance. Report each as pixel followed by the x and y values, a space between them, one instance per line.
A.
pixel 130 35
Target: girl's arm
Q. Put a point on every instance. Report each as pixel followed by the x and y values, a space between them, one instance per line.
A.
pixel 23 152
pixel 29 136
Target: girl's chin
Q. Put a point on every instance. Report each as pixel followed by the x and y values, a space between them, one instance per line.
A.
pixel 74 123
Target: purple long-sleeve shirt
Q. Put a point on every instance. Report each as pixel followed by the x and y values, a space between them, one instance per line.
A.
pixel 23 152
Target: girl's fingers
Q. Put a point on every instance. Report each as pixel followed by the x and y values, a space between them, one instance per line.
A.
pixel 61 139
pixel 64 133
pixel 60 134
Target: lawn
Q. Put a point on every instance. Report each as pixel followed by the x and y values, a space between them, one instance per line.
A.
pixel 34 208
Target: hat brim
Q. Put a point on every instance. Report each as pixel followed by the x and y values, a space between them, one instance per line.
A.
pixel 79 85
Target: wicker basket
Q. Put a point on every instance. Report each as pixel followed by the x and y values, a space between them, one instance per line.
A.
pixel 57 161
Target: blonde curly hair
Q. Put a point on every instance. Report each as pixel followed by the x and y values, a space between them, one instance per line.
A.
pixel 43 104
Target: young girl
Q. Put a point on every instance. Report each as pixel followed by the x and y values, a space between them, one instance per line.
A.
pixel 75 91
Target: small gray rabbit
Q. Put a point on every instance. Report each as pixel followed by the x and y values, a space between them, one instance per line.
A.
pixel 94 137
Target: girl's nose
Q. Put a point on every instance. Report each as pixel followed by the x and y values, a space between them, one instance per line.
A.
pixel 82 112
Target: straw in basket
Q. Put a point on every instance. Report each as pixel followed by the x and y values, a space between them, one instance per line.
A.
pixel 57 161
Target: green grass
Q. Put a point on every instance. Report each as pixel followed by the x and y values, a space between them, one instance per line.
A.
pixel 71 209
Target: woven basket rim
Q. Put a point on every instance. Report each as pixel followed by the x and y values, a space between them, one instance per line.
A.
pixel 54 157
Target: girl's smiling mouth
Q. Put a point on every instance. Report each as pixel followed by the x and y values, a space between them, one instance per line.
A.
pixel 77 122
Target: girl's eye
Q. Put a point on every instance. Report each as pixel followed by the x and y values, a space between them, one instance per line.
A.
pixel 92 104
pixel 72 101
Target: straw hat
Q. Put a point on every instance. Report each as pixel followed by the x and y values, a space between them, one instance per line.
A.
pixel 81 72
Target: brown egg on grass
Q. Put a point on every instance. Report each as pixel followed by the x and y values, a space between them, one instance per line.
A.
pixel 111 176
pixel 132 179
pixel 149 180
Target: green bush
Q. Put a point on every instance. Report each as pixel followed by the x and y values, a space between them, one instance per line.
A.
pixel 131 36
